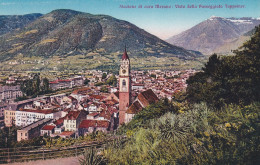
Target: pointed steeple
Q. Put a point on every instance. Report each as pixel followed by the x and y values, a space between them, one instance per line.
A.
pixel 125 56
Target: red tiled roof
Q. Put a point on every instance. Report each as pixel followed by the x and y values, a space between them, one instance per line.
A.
pixel 147 97
pixel 106 114
pixel 94 123
pixel 72 98
pixel 67 133
pixel 64 80
pixel 48 127
pixel 39 111
pixel 111 102
pixel 72 115
pixel 54 82
pixel 117 94
pixel 66 110
pixel 99 97
pixel 59 121
pixel 93 114
pixel 58 81
pixel 81 90
pixel 112 110
pixel 134 108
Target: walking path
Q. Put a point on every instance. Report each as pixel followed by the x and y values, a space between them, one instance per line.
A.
pixel 58 161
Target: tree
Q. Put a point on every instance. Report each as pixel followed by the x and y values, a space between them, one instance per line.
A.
pixel 45 85
pixel 112 80
pixel 33 87
pixel 153 75
pixel 104 76
pixel 99 84
pixel 104 89
pixel 86 81
pixel 230 79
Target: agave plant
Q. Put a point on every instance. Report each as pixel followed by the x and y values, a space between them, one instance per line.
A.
pixel 91 156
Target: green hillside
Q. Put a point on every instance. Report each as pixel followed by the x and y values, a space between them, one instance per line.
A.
pixel 75 40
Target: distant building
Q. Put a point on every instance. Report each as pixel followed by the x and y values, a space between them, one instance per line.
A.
pixel 113 96
pixel 68 83
pixel 9 117
pixel 11 80
pixel 137 86
pixel 73 119
pixel 10 92
pixel 47 130
pixel 2 108
pixel 32 130
pixel 28 116
pixel 89 126
pixel 60 84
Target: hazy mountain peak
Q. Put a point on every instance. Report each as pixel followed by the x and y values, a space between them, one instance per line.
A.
pixel 215 18
pixel 213 33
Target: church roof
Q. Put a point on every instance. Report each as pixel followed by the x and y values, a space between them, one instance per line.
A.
pixel 145 98
pixel 134 108
pixel 125 56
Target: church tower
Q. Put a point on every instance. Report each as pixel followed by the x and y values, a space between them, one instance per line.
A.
pixel 124 87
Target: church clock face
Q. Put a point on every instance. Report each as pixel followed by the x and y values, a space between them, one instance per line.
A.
pixel 123 71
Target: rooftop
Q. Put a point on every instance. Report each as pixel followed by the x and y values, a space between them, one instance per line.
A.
pixel 67 133
pixel 49 111
pixel 48 127
pixel 36 124
pixel 72 115
pixel 94 123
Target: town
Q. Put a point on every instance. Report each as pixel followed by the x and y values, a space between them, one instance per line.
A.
pixel 98 101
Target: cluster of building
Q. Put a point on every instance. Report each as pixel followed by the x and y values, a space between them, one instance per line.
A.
pixel 163 83
pixel 67 83
pixel 88 109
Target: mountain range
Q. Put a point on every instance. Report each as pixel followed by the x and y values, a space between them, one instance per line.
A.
pixel 9 23
pixel 216 35
pixel 76 40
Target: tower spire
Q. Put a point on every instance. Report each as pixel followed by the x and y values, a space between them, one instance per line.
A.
pixel 125 56
pixel 124 86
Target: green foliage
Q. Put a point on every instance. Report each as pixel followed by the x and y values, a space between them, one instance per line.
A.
pixel 152 111
pixel 112 81
pixel 8 137
pixel 86 81
pixel 45 85
pixel 104 89
pixel 61 142
pixel 38 141
pixel 35 86
pixel 179 97
pixel 153 75
pixel 99 84
pixel 231 79
pixel 90 157
pixel 201 135
pixel 104 76
pixel 21 98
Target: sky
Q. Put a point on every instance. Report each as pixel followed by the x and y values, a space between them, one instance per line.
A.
pixel 162 22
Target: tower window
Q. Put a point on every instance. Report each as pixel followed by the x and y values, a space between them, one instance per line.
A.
pixel 124 83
